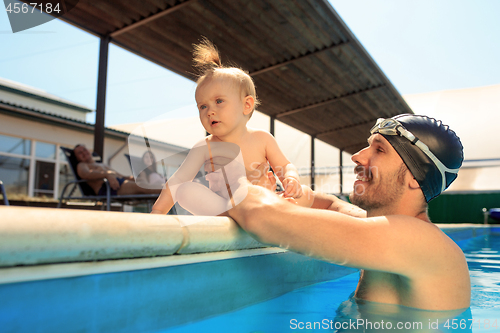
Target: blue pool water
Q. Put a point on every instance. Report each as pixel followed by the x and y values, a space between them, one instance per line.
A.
pixel 321 306
pixel 483 257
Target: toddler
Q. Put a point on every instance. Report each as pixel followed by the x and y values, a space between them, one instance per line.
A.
pixel 233 153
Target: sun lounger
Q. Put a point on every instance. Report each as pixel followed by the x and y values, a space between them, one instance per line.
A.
pixel 88 193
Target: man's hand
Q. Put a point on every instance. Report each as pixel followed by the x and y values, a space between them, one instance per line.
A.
pixel 113 182
pixel 257 200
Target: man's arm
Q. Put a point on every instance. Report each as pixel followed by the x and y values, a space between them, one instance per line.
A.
pixel 85 172
pixel 395 244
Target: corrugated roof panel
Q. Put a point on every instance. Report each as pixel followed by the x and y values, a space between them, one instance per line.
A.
pixel 296 39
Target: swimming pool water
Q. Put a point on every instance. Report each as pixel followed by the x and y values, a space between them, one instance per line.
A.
pixel 320 303
pixel 483 258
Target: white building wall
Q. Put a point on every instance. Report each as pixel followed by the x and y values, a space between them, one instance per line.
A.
pixel 474 114
pixel 114 148
pixel 58 135
pixel 41 105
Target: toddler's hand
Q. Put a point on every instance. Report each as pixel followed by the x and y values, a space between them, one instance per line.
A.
pixel 292 188
pixel 290 200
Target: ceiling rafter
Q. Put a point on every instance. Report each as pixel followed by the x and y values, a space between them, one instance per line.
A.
pixel 264 36
pixel 284 63
pixel 328 101
pixel 150 18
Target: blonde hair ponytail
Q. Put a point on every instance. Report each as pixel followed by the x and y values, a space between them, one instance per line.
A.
pixel 206 56
pixel 208 62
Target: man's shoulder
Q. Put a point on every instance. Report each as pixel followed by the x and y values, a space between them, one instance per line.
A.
pixel 429 235
pixel 413 227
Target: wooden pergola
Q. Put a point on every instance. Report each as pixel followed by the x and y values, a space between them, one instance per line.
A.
pixel 310 70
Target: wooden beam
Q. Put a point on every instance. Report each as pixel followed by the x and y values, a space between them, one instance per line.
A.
pixel 150 18
pixel 328 101
pixel 284 63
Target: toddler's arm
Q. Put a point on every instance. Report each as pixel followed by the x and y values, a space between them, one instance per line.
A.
pixel 286 171
pixel 186 173
pixel 164 202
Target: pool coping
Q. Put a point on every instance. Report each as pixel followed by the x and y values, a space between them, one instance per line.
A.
pixel 177 241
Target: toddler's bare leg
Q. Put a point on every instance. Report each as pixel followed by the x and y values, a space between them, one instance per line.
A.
pixel 199 200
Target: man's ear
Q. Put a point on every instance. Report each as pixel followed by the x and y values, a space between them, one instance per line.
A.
pixel 248 103
pixel 414 184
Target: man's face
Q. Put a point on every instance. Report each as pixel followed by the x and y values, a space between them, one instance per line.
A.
pixel 82 154
pixel 380 175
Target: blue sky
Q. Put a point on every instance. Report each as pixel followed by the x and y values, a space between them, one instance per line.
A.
pixel 422 46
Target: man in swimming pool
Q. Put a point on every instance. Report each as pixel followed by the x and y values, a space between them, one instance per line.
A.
pixel 95 173
pixel 403 257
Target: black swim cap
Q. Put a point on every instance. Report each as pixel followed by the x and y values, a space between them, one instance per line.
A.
pixel 442 142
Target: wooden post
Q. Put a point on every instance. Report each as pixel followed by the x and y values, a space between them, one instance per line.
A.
pixel 271 125
pixel 312 163
pixel 341 173
pixel 101 96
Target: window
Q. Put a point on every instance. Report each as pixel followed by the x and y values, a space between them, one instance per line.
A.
pixel 44 179
pixel 45 150
pixel 32 168
pixel 14 164
pixel 45 167
pixel 14 173
pixel 16 146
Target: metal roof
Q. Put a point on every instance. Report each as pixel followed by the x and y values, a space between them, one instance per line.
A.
pixel 310 71
pixel 41 95
pixel 43 116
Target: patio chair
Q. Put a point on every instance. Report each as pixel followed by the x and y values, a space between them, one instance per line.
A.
pixel 2 189
pixel 135 160
pixel 89 194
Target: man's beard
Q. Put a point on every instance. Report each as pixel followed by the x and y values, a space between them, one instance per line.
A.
pixel 386 192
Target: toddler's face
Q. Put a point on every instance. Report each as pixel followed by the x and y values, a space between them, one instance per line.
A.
pixel 221 106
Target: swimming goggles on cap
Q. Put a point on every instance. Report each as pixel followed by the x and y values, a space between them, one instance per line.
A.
pixel 393 127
